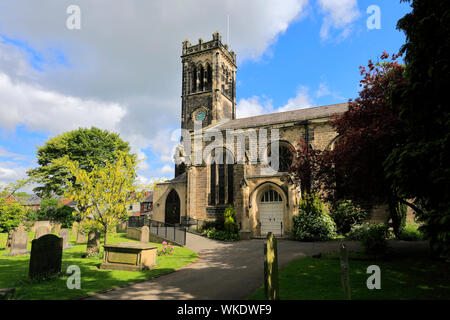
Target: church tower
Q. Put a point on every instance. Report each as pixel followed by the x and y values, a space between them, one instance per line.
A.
pixel 208 84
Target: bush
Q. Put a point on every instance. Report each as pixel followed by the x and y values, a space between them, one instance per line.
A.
pixel 220 235
pixel 345 214
pixel 52 210
pixel 11 214
pixel 312 222
pixel 374 239
pixel 230 224
pixel 411 233
pixel 357 231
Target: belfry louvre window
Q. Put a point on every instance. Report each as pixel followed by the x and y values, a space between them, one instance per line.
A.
pixel 221 178
pixel 271 196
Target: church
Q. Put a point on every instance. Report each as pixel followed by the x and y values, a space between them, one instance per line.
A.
pixel 236 172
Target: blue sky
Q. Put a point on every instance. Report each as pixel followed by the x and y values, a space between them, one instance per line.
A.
pixel 122 78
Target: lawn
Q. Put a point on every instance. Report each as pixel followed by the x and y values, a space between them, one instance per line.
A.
pixel 14 271
pixel 401 278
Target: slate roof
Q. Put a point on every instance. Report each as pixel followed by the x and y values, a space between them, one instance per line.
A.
pixel 148 198
pixel 180 178
pixel 284 117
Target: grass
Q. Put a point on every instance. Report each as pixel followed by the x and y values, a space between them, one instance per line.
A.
pixel 14 271
pixel 401 279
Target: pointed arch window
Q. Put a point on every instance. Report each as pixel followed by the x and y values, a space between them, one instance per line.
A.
pixel 221 178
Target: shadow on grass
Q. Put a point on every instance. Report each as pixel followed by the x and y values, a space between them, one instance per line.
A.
pixel 14 273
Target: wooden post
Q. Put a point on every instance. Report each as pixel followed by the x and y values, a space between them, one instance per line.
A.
pixel 344 272
pixel 271 268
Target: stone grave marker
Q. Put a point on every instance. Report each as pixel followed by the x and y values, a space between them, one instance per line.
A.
pixel 271 268
pixel 81 237
pixel 41 231
pixel 9 240
pixel 19 243
pixel 145 234
pixel 75 227
pixel 345 279
pixel 46 256
pixel 93 243
pixel 64 233
pixel 56 228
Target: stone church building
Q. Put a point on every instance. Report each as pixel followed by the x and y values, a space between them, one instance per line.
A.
pixel 264 200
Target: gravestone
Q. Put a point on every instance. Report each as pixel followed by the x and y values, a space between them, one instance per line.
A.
pixel 41 231
pixel 75 227
pixel 19 243
pixel 93 243
pixel 46 256
pixel 21 227
pixel 271 268
pixel 56 228
pixel 64 233
pixel 81 237
pixel 345 279
pixel 9 240
pixel 145 234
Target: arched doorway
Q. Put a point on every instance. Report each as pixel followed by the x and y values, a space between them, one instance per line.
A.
pixel 271 212
pixel 172 215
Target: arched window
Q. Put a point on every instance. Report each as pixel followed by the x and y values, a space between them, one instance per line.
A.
pixel 271 196
pixel 221 177
pixel 202 78
pixel 194 79
pixel 285 156
pixel 208 77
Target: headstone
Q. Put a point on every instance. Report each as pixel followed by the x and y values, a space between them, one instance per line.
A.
pixel 75 227
pixel 19 243
pixel 145 234
pixel 46 256
pixel 9 239
pixel 56 228
pixel 21 227
pixel 64 233
pixel 93 243
pixel 345 278
pixel 81 237
pixel 271 268
pixel 41 231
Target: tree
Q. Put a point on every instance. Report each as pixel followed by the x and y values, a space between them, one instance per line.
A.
pixel 89 147
pixel 54 210
pixel 12 211
pixel 105 191
pixel 420 167
pixel 366 134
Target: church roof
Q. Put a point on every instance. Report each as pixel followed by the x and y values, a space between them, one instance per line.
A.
pixel 284 117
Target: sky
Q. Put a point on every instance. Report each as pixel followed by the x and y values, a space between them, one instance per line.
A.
pixel 121 69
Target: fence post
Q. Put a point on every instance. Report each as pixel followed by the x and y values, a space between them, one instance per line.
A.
pixel 345 272
pixel 271 268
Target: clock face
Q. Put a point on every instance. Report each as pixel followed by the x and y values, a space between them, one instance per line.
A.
pixel 200 116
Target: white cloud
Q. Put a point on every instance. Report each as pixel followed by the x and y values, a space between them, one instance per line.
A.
pixel 9 172
pixel 166 169
pixel 256 106
pixel 43 110
pixel 300 101
pixel 339 14
pixel 252 107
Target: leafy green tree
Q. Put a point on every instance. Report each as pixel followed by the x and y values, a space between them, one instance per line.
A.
pixel 420 166
pixel 11 214
pixel 52 209
pixel 12 211
pixel 88 147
